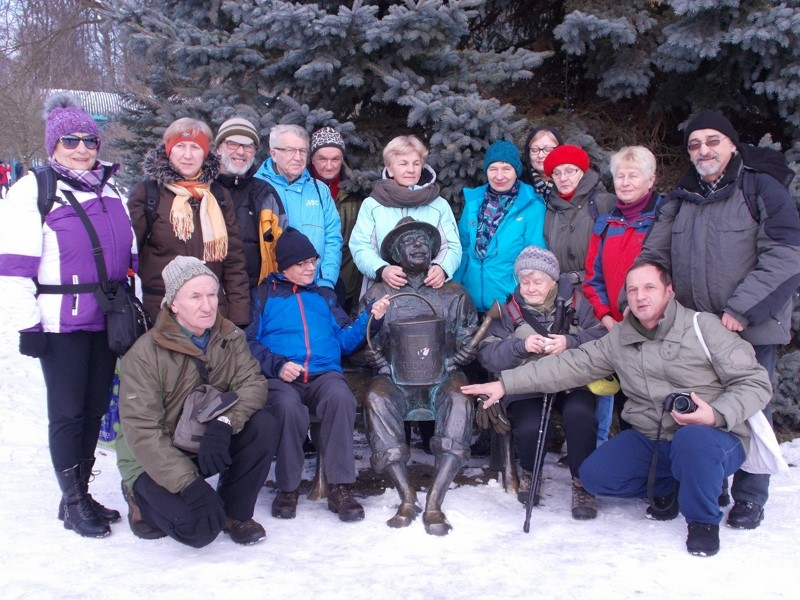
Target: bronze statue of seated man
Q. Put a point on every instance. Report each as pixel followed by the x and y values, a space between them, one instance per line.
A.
pixel 417 354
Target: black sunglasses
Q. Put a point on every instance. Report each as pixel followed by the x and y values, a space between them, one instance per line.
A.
pixel 70 142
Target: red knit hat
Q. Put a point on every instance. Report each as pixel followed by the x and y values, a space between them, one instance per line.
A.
pixel 566 155
pixel 188 135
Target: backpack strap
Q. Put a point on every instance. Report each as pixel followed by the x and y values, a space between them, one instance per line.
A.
pixel 46 186
pixel 152 198
pixel 593 211
pixel 750 192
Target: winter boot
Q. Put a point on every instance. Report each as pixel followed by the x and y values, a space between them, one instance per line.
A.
pixel 109 515
pixel 745 515
pixel 79 514
pixel 341 501
pixel 140 528
pixel 246 533
pixel 525 480
pixel 666 507
pixel 584 505
pixel 285 505
pixel 703 539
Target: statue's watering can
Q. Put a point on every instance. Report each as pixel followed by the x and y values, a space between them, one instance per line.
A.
pixel 417 347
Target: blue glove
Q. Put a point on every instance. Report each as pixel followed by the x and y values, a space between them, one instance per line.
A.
pixel 214 455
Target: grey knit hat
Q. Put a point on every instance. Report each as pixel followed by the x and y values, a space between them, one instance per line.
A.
pixel 238 130
pixel 534 258
pixel 326 137
pixel 180 270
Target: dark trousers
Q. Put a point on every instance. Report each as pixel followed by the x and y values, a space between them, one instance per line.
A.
pixel 238 487
pixel 752 487
pixel 328 398
pixel 580 426
pixel 78 369
pixel 699 457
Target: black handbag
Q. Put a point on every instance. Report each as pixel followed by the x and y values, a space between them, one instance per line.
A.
pixel 126 318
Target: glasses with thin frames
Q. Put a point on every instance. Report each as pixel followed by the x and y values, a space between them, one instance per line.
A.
pixel 234 146
pixel 70 142
pixel 713 142
pixel 542 150
pixel 568 172
pixel 311 262
pixel 293 151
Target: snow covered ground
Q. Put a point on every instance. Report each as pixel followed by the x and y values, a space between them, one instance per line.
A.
pixel 618 555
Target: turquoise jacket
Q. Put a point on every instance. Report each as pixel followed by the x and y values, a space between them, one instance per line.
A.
pixel 310 209
pixel 492 277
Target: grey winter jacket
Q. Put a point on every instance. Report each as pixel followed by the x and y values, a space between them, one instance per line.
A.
pixel 724 260
pixel 735 385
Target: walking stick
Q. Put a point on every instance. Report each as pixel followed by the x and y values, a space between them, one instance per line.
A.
pixel 538 459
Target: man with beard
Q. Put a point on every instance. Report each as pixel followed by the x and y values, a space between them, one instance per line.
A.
pixel 259 210
pixel 392 398
pixel 731 234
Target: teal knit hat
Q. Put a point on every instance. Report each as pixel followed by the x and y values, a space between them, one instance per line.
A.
pixel 503 151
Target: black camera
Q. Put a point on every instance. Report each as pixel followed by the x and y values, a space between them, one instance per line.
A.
pixel 680 402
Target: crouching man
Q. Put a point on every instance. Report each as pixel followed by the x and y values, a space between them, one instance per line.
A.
pixel 165 487
pixel 656 351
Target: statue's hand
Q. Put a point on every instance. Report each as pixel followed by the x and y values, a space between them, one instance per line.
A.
pixel 465 355
pixel 377 361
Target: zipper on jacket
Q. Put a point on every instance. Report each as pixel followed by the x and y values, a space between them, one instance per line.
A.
pixel 305 334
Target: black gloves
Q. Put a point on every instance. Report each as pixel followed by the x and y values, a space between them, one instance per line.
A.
pixel 495 416
pixel 377 361
pixel 465 355
pixel 33 343
pixel 206 511
pixel 214 455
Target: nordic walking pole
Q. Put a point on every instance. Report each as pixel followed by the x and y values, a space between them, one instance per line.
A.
pixel 538 459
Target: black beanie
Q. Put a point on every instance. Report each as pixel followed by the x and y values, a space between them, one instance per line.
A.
pixel 293 247
pixel 710 119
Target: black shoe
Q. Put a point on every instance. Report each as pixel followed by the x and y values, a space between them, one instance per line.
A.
pixel 666 508
pixel 285 505
pixel 745 515
pixel 482 446
pixel 703 539
pixel 724 496
pixel 79 515
pixel 309 449
pixel 140 528
pixel 109 515
pixel 246 533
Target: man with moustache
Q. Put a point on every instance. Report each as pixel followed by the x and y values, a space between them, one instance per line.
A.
pixel 731 234
pixel 259 210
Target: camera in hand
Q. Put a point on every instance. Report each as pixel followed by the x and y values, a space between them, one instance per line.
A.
pixel 680 402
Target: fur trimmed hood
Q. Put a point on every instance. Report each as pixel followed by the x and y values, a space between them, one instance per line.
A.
pixel 155 166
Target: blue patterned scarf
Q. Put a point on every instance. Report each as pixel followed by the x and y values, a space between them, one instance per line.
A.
pixel 494 208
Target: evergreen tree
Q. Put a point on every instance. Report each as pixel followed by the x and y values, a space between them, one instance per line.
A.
pixel 373 70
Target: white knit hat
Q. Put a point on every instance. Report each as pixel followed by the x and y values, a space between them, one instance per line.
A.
pixel 534 258
pixel 180 270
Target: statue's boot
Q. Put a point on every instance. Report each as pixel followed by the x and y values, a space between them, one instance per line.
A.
pixel 408 509
pixel 435 521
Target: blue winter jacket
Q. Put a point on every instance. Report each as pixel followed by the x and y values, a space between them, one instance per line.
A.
pixel 492 277
pixel 310 209
pixel 294 323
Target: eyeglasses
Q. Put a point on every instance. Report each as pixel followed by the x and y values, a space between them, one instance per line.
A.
pixel 293 151
pixel 70 142
pixel 311 262
pixel 234 146
pixel 713 142
pixel 543 150
pixel 568 172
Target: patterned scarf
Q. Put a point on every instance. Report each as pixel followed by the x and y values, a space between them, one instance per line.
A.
pixel 212 222
pixel 494 208
pixel 544 188
pixel 86 181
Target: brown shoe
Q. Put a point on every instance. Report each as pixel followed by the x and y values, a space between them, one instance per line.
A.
pixel 341 501
pixel 140 528
pixel 247 532
pixel 285 505
pixel 584 505
pixel 525 480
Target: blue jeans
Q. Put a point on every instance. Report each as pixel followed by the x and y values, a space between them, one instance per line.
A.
pixel 699 457
pixel 604 413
